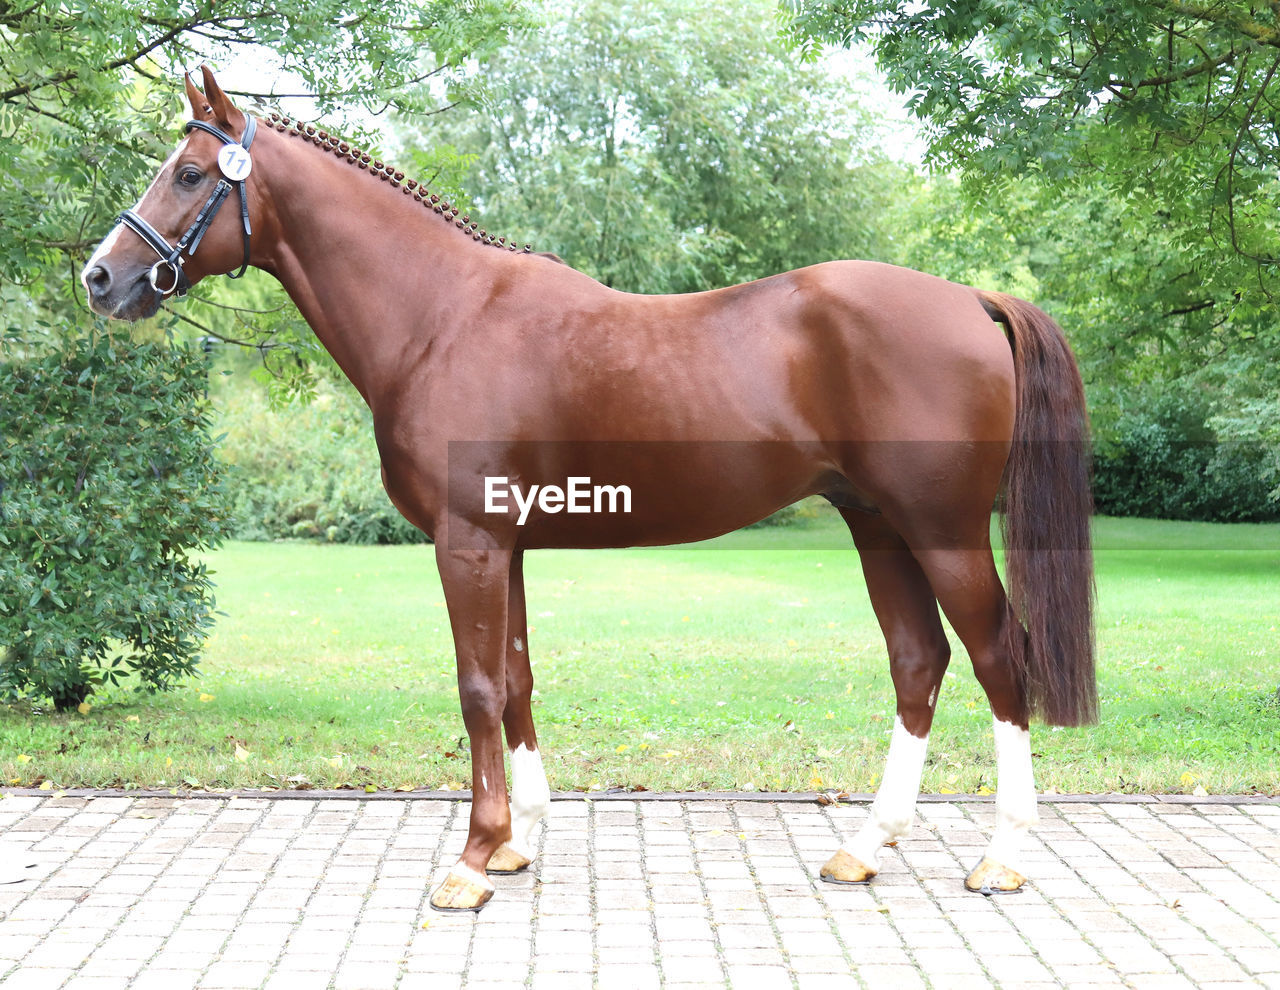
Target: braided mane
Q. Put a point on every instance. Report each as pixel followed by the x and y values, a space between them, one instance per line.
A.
pixel 387 173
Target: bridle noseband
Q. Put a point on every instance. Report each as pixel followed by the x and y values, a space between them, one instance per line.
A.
pixel 171 254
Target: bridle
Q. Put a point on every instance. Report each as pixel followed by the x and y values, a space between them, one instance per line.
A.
pixel 235 169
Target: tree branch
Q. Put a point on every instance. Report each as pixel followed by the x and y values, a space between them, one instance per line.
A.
pixel 1243 25
pixel 210 332
pixel 1171 77
pixel 66 77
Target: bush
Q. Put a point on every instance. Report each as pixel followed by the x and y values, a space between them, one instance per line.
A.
pixel 108 485
pixel 308 471
pixel 1168 462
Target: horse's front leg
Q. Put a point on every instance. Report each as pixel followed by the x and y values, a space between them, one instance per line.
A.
pixel 530 796
pixel 475 587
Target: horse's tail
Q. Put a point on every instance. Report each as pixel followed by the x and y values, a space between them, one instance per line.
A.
pixel 1047 507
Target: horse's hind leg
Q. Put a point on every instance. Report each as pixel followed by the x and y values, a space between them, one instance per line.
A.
pixel 918 654
pixel 963 576
pixel 530 796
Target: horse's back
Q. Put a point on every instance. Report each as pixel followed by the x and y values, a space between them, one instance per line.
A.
pixel 857 350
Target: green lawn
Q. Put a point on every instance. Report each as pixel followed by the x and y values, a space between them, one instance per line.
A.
pixel 752 662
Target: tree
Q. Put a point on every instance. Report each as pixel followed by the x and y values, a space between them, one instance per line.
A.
pixel 667 146
pixel 1171 101
pixel 89 102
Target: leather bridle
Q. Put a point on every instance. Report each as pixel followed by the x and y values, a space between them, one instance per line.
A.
pixel 171 254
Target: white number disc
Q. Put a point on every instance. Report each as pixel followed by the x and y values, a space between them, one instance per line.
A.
pixel 234 162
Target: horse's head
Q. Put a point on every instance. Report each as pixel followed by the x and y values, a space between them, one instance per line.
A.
pixel 198 202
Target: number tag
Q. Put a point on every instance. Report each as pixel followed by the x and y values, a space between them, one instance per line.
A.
pixel 235 162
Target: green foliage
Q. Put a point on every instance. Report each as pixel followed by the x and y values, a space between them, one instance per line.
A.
pixel 308 471
pixel 1165 461
pixel 1166 99
pixel 668 147
pixel 108 488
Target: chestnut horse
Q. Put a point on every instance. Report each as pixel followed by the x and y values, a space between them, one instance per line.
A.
pixel 910 402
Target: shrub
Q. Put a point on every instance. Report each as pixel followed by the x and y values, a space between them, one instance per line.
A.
pixel 1166 461
pixel 108 486
pixel 308 471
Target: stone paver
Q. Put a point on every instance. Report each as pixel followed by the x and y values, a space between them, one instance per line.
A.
pixel 249 892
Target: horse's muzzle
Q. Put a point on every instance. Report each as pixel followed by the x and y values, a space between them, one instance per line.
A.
pixel 128 299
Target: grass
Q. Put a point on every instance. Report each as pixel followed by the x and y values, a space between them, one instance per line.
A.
pixel 752 662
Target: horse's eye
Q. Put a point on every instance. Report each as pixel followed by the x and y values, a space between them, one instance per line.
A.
pixel 189 176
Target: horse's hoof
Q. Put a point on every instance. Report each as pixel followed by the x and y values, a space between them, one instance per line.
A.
pixel 460 893
pixel 846 868
pixel 989 877
pixel 506 860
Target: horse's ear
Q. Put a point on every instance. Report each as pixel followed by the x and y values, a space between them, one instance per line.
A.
pixel 200 109
pixel 224 111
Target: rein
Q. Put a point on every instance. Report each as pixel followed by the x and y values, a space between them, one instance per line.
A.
pixel 235 168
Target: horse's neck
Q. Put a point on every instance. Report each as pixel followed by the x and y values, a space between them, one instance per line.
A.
pixel 363 262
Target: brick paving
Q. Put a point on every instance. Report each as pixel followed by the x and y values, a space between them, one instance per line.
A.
pixel 249 892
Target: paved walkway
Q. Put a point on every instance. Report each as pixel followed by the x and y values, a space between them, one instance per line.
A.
pixel 230 892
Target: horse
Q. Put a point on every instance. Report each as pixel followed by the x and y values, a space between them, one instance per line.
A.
pixel 915 405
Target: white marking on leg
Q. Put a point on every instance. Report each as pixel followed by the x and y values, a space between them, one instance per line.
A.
pixel 518 643
pixel 462 870
pixel 895 803
pixel 530 797
pixel 1015 794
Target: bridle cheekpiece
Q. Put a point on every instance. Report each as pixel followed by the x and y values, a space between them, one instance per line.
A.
pixel 235 164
